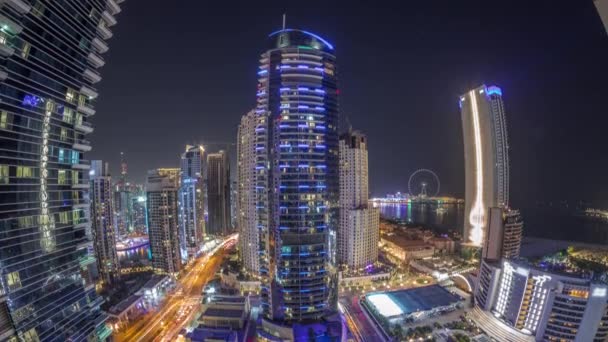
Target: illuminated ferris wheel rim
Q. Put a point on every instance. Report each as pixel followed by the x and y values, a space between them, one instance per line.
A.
pixel 409 182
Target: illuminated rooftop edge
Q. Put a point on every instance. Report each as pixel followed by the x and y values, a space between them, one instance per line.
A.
pixel 494 90
pixel 331 47
pixel 385 305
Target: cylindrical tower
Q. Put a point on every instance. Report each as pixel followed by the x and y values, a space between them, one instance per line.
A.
pixel 297 175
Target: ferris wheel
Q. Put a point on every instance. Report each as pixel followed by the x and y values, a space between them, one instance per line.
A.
pixel 424 183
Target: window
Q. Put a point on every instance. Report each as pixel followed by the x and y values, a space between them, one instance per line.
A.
pixel 61 156
pixel 4 120
pixel 75 157
pixel 63 217
pixel 64 134
pixel 78 120
pixel 70 95
pixel 67 115
pixel 25 51
pixel 24 172
pixel 82 100
pixel 25 221
pixel 3 37
pixel 61 179
pixel 76 216
pixel 31 336
pixel 74 177
pixel 13 280
pixel 4 175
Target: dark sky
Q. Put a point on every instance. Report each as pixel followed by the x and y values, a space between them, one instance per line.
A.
pixel 184 71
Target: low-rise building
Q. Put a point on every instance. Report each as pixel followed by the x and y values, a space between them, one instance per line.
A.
pixel 401 249
pixel 346 279
pixel 126 311
pixel 225 312
pixel 155 289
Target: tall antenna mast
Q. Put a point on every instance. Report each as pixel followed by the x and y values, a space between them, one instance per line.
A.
pixel 284 20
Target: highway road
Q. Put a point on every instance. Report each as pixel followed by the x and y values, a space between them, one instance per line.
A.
pixel 181 305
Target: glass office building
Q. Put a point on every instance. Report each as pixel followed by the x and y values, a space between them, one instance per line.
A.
pixel 49 53
pixel 296 176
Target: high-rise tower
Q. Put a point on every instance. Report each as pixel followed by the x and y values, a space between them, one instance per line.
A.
pixel 359 231
pixel 218 187
pixel 296 176
pixel 191 205
pixel 486 154
pixel 602 9
pixel 102 219
pixel 49 55
pixel 161 191
pixel 249 236
pixel 503 238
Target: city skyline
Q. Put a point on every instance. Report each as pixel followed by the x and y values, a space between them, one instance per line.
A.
pixel 522 54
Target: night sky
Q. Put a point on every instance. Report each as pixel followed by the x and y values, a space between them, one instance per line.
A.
pixel 184 71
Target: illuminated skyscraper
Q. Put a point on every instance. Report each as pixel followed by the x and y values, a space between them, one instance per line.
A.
pixel 102 219
pixel 486 154
pixel 161 190
pixel 296 176
pixel 191 206
pixel 249 236
pixel 218 187
pixel 359 230
pixel 123 198
pixel 49 52
pixel 503 239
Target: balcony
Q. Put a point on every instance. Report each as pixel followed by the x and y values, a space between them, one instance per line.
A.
pixel 95 60
pixel 86 110
pixel 110 20
pixel 88 92
pixel 80 186
pixel 99 45
pixel 104 31
pixel 113 7
pixel 18 5
pixel 91 75
pixel 81 165
pixel 84 127
pixel 82 145
pixel 84 245
pixel 11 26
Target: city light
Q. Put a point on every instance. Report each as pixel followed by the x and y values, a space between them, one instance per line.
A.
pixel 476 217
pixel 385 305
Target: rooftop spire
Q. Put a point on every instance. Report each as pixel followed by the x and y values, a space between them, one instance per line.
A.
pixel 284 19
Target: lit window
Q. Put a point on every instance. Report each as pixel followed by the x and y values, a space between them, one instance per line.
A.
pixel 4 175
pixel 13 280
pixel 64 134
pixel 70 95
pixel 4 119
pixel 67 115
pixel 24 172
pixel 31 336
pixel 61 155
pixel 3 37
pixel 61 179
pixel 63 217
pixel 25 51
pixel 82 100
pixel 74 177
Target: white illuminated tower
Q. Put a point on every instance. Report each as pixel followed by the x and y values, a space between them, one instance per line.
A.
pixel 602 9
pixel 486 153
pixel 358 233
pixel 249 240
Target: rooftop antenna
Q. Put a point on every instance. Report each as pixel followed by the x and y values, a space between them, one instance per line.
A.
pixel 284 20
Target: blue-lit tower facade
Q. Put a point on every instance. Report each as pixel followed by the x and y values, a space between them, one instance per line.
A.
pixel 50 51
pixel 296 176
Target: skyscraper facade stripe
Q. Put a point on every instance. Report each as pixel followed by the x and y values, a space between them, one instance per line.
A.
pixel 296 176
pixel 486 151
pixel 49 53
